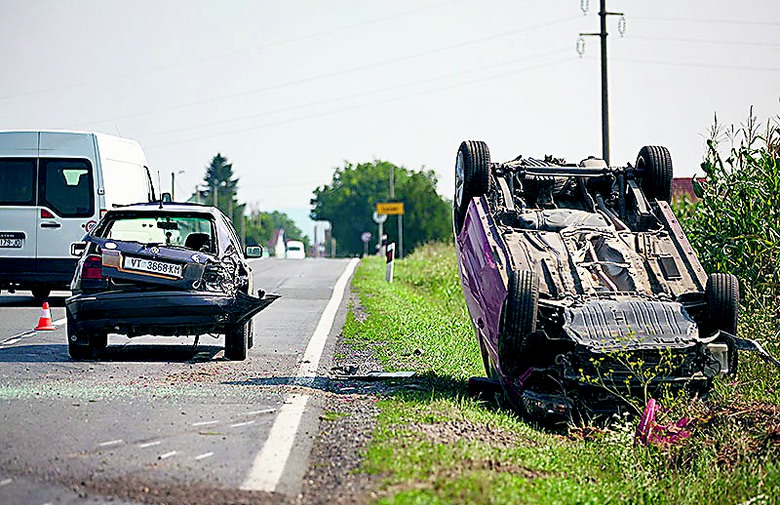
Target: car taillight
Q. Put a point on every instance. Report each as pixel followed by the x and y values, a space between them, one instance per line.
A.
pixel 45 214
pixel 92 268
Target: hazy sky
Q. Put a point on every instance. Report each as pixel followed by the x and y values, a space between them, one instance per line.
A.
pixel 289 89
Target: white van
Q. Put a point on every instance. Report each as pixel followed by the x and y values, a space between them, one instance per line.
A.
pixel 295 250
pixel 54 187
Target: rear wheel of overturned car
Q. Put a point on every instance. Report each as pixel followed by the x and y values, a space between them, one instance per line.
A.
pixel 656 163
pixel 236 341
pixel 722 295
pixel 518 322
pixel 472 177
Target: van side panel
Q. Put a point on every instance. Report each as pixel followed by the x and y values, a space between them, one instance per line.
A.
pixel 123 166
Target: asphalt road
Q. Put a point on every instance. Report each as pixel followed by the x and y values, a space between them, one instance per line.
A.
pixel 158 416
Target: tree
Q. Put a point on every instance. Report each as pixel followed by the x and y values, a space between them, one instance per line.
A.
pixel 350 200
pixel 260 227
pixel 219 182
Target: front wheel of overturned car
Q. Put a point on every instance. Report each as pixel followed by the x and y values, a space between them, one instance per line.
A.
pixel 236 341
pixel 472 177
pixel 722 295
pixel 518 322
pixel 656 164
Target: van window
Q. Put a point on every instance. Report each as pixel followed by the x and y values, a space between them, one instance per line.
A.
pixel 17 181
pixel 66 187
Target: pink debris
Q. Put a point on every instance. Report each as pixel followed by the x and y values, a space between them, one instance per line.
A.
pixel 650 432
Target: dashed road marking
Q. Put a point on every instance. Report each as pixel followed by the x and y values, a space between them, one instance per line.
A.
pixel 60 322
pixel 245 423
pixel 5 482
pixel 204 456
pixel 258 412
pixel 167 455
pixel 149 444
pixel 11 342
pixel 111 442
pixel 205 423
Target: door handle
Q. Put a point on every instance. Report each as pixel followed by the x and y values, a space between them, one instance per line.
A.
pixel 50 225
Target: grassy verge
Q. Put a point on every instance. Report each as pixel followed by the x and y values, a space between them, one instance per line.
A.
pixel 432 444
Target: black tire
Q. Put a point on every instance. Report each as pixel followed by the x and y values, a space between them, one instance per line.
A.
pixel 75 350
pixel 518 322
pixel 472 177
pixel 722 295
pixel 236 342
pixel 41 294
pixel 656 163
pixel 99 341
pixel 250 339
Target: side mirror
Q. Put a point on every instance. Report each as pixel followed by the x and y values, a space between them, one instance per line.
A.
pixel 254 251
pixel 77 248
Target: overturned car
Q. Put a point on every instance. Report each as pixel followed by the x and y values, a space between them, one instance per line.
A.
pixel 582 286
pixel 162 269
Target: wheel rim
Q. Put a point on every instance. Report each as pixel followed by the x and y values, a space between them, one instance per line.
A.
pixel 459 180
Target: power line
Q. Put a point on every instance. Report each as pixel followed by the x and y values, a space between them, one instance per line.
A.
pixel 340 72
pixel 710 21
pixel 699 65
pixel 699 41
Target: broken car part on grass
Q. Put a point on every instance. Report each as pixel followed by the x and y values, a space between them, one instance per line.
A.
pixel 583 289
pixel 162 269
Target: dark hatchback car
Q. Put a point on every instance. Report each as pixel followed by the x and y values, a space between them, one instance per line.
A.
pixel 582 286
pixel 162 269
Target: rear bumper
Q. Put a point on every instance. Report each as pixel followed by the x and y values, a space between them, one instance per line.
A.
pixel 23 273
pixel 139 313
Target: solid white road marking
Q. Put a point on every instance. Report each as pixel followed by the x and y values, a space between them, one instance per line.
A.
pixel 245 423
pixel 149 444
pixel 267 468
pixel 5 482
pixel 205 423
pixel 111 442
pixel 167 455
pixel 204 456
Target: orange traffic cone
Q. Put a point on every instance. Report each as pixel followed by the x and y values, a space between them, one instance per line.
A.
pixel 44 323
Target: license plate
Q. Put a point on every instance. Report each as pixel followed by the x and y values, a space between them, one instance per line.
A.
pixel 152 267
pixel 13 243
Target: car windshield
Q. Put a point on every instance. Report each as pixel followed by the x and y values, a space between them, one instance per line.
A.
pixel 193 232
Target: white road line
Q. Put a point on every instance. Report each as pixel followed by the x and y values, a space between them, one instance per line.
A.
pixel 149 444
pixel 205 423
pixel 204 456
pixel 60 322
pixel 245 423
pixel 111 442
pixel 11 342
pixel 17 337
pixel 5 482
pixel 166 455
pixel 267 468
pixel 258 412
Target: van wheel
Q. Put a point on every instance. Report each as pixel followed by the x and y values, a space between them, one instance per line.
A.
pixel 236 341
pixel 40 294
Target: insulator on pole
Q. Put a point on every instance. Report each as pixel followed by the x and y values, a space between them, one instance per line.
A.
pixel 581 46
pixel 622 25
pixel 584 5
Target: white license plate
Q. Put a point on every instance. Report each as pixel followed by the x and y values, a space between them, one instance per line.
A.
pixel 152 267
pixel 14 243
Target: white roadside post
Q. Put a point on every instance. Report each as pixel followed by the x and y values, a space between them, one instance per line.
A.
pixel 365 237
pixel 390 261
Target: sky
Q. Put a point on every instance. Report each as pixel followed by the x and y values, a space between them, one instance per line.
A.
pixel 288 90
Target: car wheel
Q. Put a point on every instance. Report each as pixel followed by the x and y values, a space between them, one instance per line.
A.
pixel 99 341
pixel 656 162
pixel 472 177
pixel 40 294
pixel 518 322
pixel 236 338
pixel 75 350
pixel 722 295
pixel 250 339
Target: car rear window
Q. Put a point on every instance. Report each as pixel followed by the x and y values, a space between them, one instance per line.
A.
pixel 194 232
pixel 66 187
pixel 17 181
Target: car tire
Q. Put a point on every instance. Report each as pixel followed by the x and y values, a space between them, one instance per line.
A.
pixel 722 296
pixel 40 294
pixel 236 341
pixel 76 351
pixel 250 339
pixel 518 322
pixel 656 162
pixel 472 177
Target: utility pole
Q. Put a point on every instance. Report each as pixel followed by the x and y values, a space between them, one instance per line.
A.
pixel 602 34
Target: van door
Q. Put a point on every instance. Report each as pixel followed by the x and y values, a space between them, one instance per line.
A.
pixel 17 212
pixel 66 199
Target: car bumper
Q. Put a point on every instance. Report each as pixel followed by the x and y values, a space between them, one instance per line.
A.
pixel 160 312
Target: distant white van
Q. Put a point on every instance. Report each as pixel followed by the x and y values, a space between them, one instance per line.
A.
pixel 295 250
pixel 54 187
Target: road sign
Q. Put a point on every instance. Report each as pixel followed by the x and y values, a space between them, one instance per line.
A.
pixel 365 236
pixel 392 208
pixel 379 218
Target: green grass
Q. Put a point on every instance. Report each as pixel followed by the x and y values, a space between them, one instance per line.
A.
pixel 433 444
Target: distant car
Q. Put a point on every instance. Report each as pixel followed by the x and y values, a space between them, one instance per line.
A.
pixel 294 250
pixel 580 281
pixel 162 269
